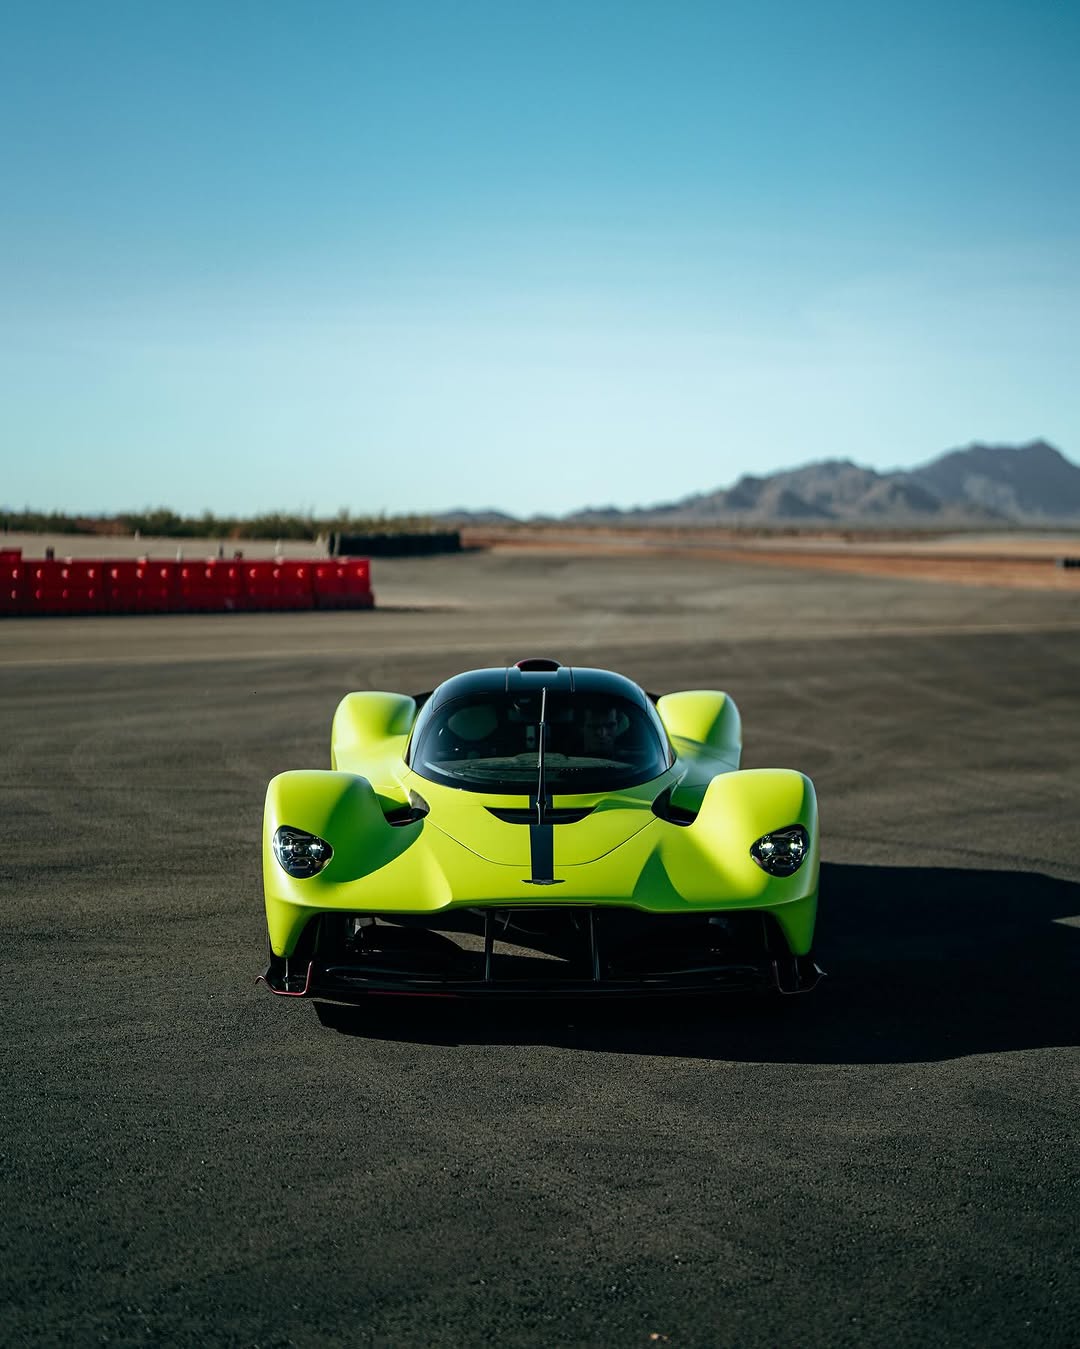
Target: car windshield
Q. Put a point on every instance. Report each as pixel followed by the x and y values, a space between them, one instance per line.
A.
pixel 490 743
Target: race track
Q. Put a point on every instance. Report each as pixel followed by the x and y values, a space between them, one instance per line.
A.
pixel 891 1160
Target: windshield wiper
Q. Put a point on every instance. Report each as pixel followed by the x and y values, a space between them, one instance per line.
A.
pixel 543 801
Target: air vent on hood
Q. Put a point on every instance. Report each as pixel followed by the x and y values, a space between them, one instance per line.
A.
pixel 567 815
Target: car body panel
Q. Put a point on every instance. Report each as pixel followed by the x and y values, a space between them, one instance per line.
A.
pixel 404 844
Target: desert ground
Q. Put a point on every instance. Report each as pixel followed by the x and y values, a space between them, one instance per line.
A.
pixel 890 1160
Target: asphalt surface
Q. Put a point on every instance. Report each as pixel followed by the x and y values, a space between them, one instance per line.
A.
pixel 891 1160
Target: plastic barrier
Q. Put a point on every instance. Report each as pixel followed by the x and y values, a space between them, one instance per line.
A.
pixel 51 587
pixel 200 587
pixel 328 583
pixel 259 585
pixel 280 585
pixel 343 584
pixel 156 589
pixel 14 584
pixel 357 584
pixel 120 587
pixel 86 586
pixel 43 588
pixel 293 587
pixel 230 587
pixel 213 586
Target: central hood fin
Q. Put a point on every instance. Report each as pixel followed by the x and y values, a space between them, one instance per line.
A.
pixel 542 834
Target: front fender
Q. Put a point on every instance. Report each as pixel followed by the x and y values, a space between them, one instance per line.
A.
pixel 703 717
pixel 737 809
pixel 370 731
pixel 755 801
pixel 341 808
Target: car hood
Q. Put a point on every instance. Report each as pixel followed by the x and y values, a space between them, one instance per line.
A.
pixel 498 828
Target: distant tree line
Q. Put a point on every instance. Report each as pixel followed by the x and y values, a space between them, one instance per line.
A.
pixel 164 523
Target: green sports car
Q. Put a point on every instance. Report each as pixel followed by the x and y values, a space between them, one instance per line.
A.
pixel 539 829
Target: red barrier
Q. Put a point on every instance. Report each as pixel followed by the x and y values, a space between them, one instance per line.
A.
pixel 14 584
pixel 85 582
pixel 66 588
pixel 156 587
pixel 199 587
pixel 231 586
pixel 43 588
pixel 343 584
pixel 259 586
pixel 329 585
pixel 293 586
pixel 357 584
pixel 279 585
pixel 121 587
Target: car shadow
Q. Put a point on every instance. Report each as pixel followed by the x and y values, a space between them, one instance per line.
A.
pixel 923 964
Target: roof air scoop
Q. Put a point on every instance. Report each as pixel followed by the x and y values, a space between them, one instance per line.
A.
pixel 537 663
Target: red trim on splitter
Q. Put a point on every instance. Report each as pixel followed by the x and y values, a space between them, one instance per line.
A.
pixel 284 992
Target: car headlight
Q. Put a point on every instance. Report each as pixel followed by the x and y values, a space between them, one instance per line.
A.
pixel 301 854
pixel 782 852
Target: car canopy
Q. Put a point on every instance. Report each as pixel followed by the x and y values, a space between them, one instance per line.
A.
pixel 536 728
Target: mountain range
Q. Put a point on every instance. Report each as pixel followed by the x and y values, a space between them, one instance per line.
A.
pixel 980 484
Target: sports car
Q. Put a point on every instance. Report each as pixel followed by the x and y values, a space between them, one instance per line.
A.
pixel 539 829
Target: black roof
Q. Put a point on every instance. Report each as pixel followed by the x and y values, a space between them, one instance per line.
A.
pixel 537 675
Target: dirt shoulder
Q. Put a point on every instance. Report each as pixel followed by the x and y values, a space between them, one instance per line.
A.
pixel 1014 561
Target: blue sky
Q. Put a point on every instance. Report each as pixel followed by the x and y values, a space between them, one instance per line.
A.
pixel 393 257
